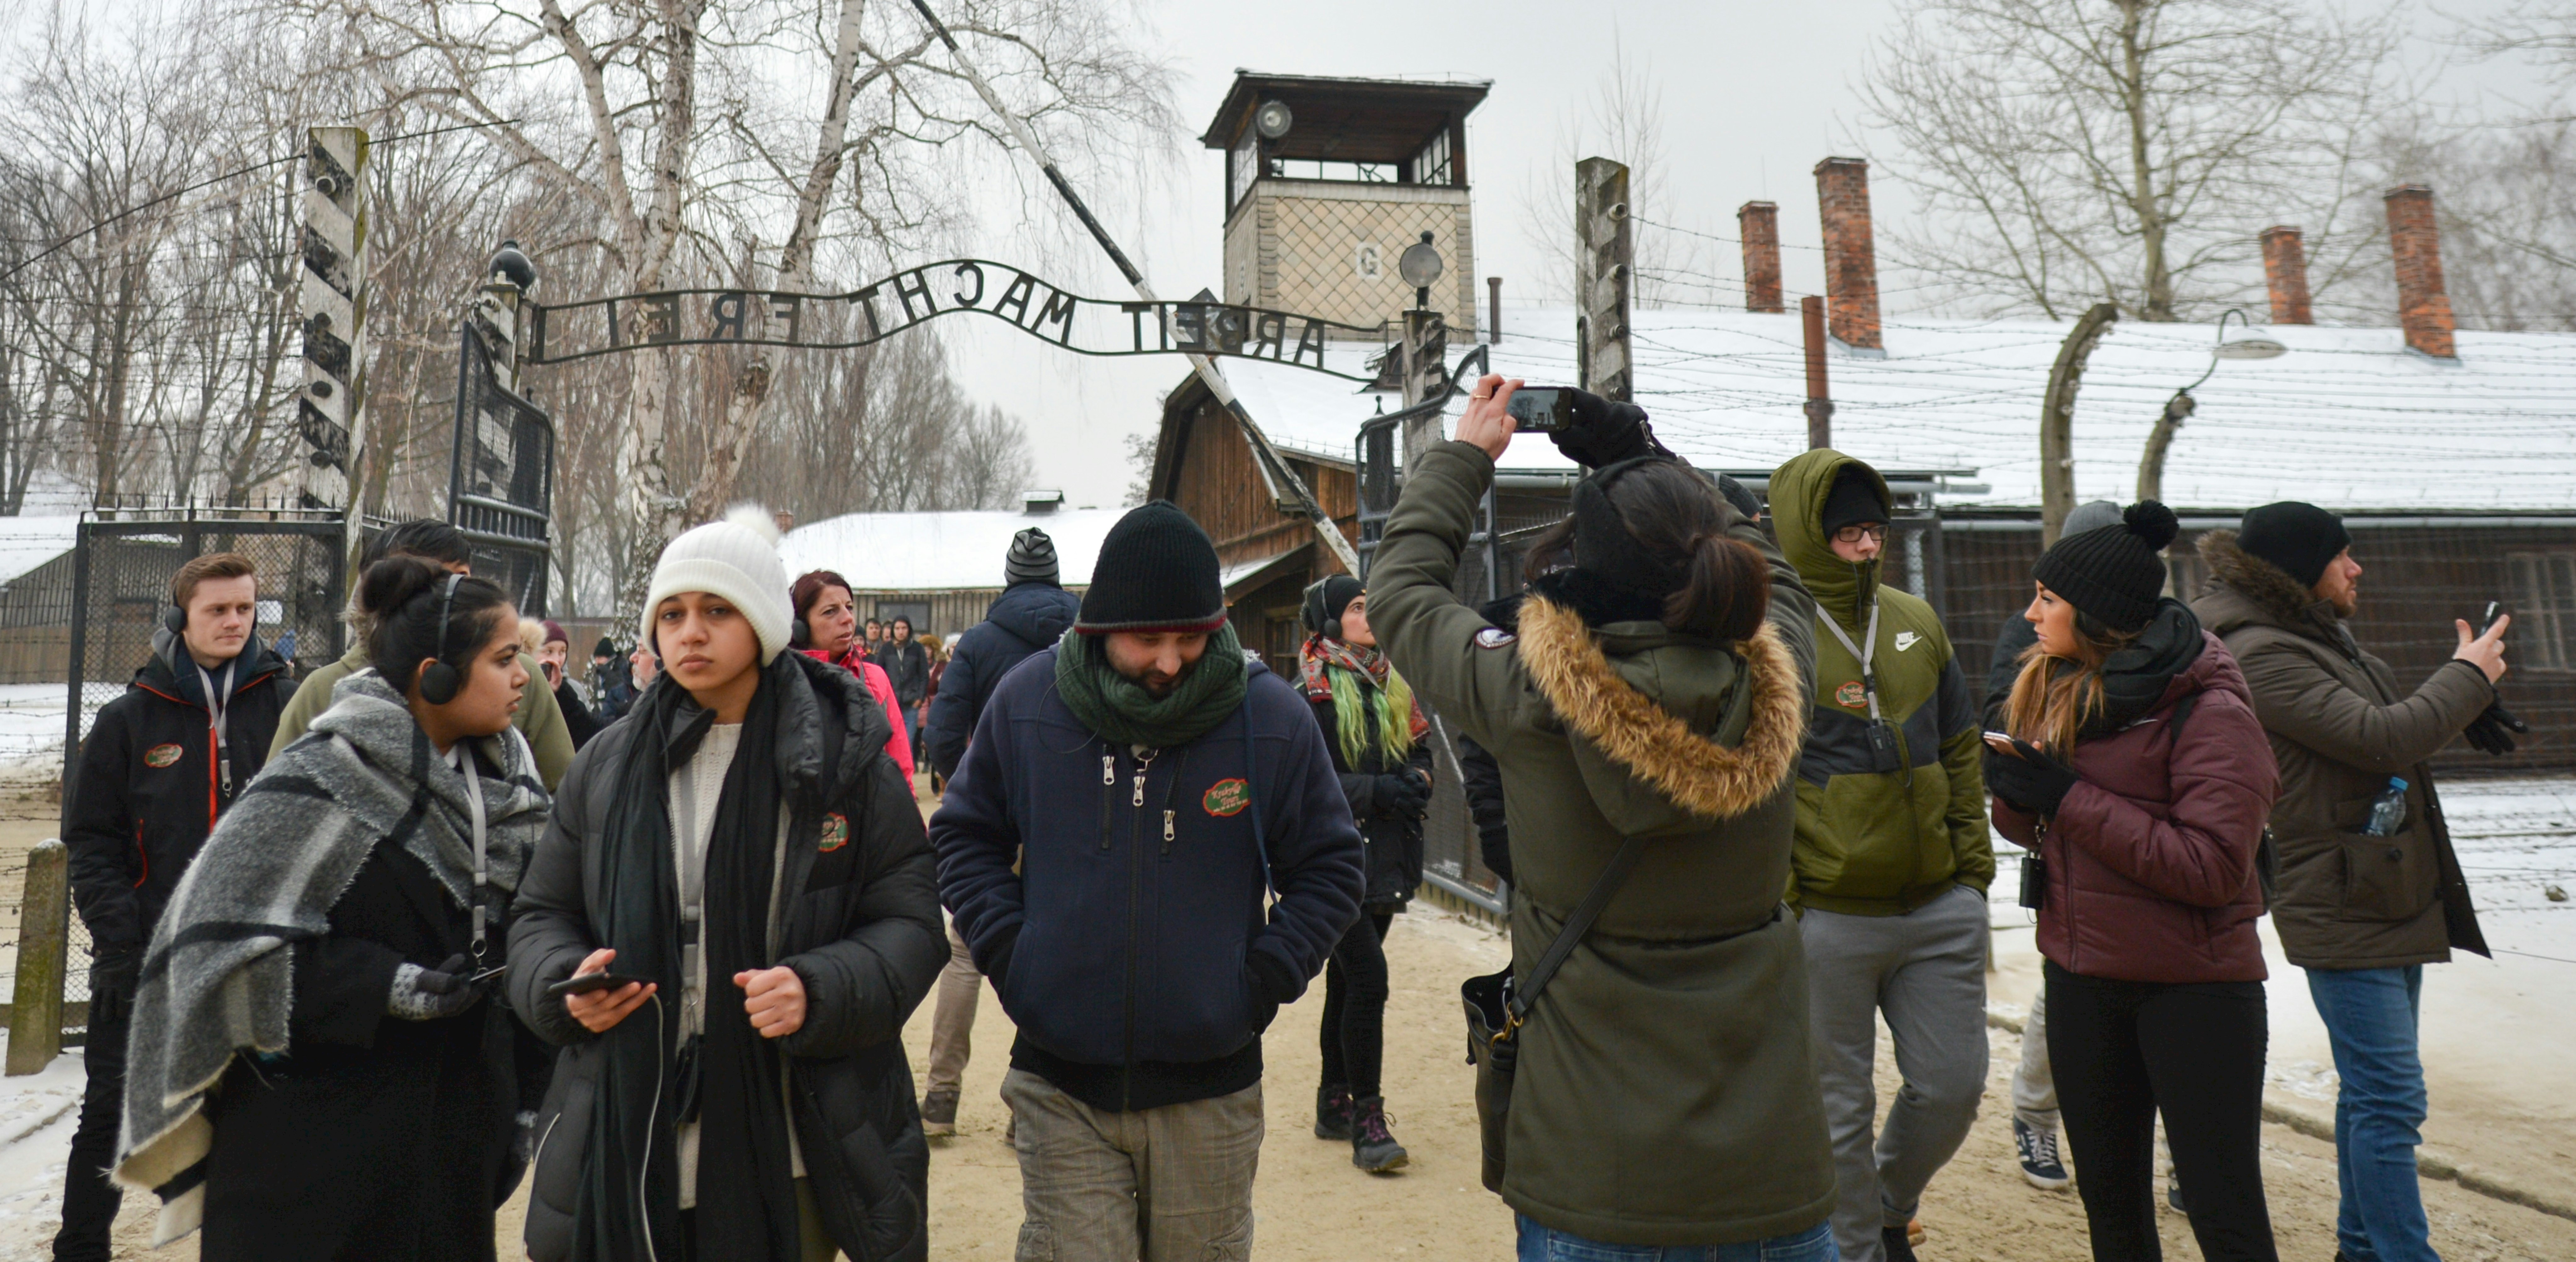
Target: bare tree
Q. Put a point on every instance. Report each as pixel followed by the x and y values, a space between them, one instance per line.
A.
pixel 2066 152
pixel 1622 119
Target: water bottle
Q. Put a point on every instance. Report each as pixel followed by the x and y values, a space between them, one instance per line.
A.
pixel 2388 812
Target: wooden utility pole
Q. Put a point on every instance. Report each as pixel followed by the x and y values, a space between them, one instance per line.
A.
pixel 1604 257
pixel 1820 403
pixel 2057 421
pixel 1426 374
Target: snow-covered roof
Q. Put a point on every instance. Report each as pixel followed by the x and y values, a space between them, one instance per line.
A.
pixel 2348 418
pixel 942 551
pixel 28 542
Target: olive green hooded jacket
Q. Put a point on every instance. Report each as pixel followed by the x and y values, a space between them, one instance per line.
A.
pixel 1879 843
pixel 1666 1094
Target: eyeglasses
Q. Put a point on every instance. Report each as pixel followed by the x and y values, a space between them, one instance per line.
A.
pixel 1854 534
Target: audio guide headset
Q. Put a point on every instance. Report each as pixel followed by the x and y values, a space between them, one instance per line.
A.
pixel 176 619
pixel 1320 613
pixel 440 682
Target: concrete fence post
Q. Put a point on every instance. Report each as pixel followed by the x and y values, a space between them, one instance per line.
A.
pixel 44 939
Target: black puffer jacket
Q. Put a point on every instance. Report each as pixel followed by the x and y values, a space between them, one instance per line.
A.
pixel 859 924
pixel 144 794
pixel 1022 620
pixel 1389 826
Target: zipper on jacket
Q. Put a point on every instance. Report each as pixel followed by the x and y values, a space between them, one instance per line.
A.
pixel 1135 907
pixel 1171 794
pixel 1108 795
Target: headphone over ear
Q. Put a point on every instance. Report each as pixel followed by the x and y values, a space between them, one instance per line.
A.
pixel 1320 611
pixel 440 682
pixel 176 619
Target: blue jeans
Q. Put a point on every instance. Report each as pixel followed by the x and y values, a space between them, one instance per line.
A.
pixel 2371 1016
pixel 1545 1244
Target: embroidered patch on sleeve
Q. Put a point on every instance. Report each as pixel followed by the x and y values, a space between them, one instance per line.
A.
pixel 160 755
pixel 1494 638
pixel 1227 797
pixel 1851 694
pixel 836 832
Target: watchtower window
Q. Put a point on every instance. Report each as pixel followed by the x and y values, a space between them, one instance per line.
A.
pixel 1323 169
pixel 1243 166
pixel 1431 164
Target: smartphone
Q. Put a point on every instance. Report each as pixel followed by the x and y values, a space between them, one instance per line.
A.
pixel 2487 623
pixel 584 983
pixel 489 973
pixel 2000 740
pixel 1542 409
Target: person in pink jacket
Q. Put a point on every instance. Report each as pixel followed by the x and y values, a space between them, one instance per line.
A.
pixel 827 630
pixel 2134 770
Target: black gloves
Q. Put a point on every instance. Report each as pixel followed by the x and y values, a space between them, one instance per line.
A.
pixel 1403 795
pixel 2033 781
pixel 1605 433
pixel 2493 731
pixel 422 994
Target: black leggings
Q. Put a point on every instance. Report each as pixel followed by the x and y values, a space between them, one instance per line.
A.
pixel 2122 1051
pixel 1354 1029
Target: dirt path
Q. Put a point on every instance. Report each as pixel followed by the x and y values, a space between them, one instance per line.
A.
pixel 1313 1205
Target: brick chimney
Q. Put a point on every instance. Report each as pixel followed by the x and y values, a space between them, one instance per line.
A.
pixel 2423 306
pixel 1758 223
pixel 1851 261
pixel 2285 272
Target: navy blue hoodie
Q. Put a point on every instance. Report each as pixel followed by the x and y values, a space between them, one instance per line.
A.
pixel 1025 618
pixel 1131 945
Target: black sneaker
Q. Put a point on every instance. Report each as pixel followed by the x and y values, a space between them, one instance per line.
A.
pixel 1898 1244
pixel 939 1113
pixel 2040 1162
pixel 1373 1147
pixel 1333 1113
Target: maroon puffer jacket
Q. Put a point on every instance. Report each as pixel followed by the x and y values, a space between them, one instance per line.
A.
pixel 2151 859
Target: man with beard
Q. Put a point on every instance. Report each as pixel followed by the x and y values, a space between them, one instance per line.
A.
pixel 2362 909
pixel 1150 782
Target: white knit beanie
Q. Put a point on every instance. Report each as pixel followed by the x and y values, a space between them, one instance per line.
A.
pixel 736 558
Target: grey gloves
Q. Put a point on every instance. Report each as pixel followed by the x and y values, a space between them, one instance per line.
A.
pixel 422 994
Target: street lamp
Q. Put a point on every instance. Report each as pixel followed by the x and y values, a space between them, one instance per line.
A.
pixel 2179 408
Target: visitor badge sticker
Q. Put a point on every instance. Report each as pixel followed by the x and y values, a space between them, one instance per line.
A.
pixel 1851 694
pixel 1227 797
pixel 836 832
pixel 1494 638
pixel 160 755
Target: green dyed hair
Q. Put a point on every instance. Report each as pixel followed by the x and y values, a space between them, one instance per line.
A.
pixel 1350 715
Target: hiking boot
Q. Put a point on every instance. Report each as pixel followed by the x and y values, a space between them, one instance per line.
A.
pixel 939 1113
pixel 2040 1162
pixel 1897 1243
pixel 1373 1147
pixel 1333 1113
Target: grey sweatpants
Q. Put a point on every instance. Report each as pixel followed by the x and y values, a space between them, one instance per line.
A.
pixel 1926 971
pixel 1172 1184
pixel 2034 1087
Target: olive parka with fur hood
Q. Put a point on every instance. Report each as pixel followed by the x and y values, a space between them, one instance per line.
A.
pixel 1665 1093
pixel 1879 843
pixel 2340 727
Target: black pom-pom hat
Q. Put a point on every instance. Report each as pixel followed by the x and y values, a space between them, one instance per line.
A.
pixel 2113 573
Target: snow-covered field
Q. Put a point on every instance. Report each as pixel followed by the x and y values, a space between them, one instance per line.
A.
pixel 31 733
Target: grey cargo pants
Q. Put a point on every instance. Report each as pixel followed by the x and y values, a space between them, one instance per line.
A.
pixel 1172 1184
pixel 1926 971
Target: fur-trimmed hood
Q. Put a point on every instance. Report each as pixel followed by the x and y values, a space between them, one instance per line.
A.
pixel 2245 589
pixel 1713 743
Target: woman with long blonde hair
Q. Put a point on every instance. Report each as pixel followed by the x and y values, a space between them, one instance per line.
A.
pixel 2135 772
pixel 1377 735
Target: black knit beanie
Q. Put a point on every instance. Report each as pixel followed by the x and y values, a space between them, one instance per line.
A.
pixel 1032 558
pixel 1603 545
pixel 2113 574
pixel 2299 538
pixel 1853 501
pixel 1325 600
pixel 1156 572
pixel 604 648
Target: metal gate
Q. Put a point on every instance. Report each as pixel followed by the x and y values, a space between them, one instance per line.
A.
pixel 121 570
pixel 500 488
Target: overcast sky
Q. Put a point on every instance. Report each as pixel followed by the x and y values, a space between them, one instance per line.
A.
pixel 1754 94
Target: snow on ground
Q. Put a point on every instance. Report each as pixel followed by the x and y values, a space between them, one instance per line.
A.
pixel 31 732
pixel 37 1114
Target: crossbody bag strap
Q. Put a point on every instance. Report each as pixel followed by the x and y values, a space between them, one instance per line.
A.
pixel 1526 991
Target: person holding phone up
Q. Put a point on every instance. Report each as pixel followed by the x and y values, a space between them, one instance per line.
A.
pixel 744 855
pixel 2361 910
pixel 2134 770
pixel 315 1070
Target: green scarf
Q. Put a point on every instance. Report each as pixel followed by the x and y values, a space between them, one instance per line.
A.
pixel 1120 711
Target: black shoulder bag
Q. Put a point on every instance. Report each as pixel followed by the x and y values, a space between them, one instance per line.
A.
pixel 1496 1008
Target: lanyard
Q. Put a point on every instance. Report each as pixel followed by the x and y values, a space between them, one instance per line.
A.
pixel 218 704
pixel 458 758
pixel 1868 677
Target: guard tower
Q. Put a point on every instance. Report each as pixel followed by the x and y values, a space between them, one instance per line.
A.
pixel 1329 180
